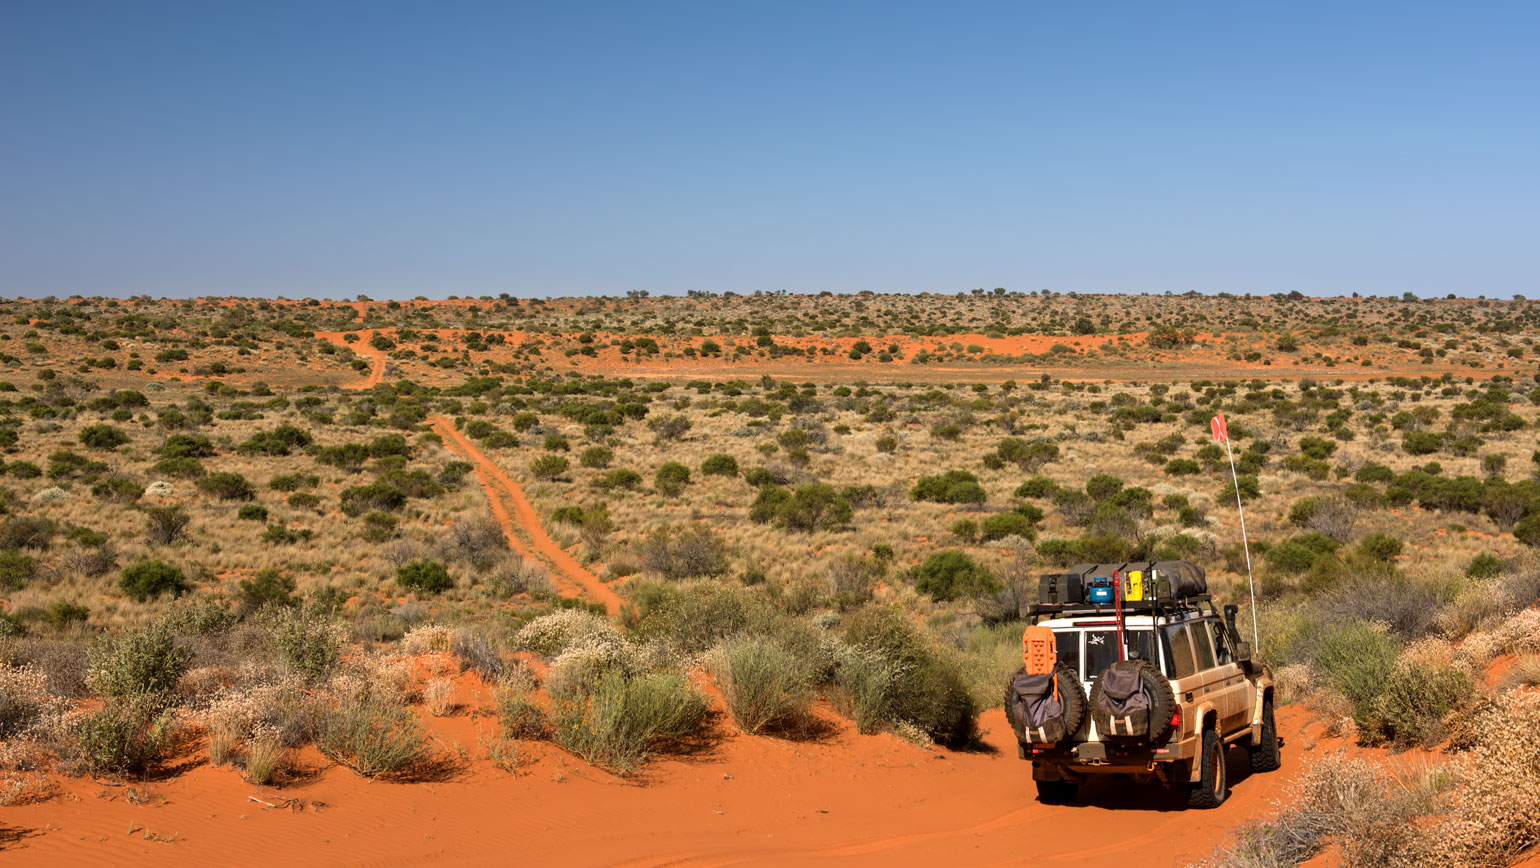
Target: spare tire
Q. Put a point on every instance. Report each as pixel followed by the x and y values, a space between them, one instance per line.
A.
pixel 1071 697
pixel 1157 691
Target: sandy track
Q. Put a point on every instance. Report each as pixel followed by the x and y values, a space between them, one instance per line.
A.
pixel 376 357
pixel 520 523
pixel 847 800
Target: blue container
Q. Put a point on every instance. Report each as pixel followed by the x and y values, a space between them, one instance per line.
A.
pixel 1100 590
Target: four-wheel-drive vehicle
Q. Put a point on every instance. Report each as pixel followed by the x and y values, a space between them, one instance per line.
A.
pixel 1130 669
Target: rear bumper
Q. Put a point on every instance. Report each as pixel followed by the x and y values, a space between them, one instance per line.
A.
pixel 1093 757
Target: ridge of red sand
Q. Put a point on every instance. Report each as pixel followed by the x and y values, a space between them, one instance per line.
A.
pixel 848 799
pixel 501 489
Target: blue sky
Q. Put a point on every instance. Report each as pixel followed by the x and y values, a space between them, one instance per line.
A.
pixel 394 149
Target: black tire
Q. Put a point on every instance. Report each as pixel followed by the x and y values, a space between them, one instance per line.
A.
pixel 1162 704
pixel 1209 791
pixel 1071 696
pixel 1265 755
pixel 1057 792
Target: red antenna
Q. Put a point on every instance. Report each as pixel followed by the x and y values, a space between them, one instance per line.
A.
pixel 1117 608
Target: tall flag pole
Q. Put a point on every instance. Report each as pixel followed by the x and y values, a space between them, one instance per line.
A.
pixel 1222 434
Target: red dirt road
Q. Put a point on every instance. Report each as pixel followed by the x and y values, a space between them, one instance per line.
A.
pixel 848 800
pixel 376 357
pixel 522 523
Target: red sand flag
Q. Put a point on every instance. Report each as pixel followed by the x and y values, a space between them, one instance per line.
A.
pixel 1217 424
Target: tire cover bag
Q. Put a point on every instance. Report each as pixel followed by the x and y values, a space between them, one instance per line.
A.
pixel 1140 714
pixel 1071 699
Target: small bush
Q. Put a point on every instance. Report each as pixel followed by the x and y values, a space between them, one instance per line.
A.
pixel 765 687
pixel 624 719
pixel 125 738
pixel 719 465
pixel 144 662
pixel 102 437
pixel 307 639
pixel 16 570
pixel 227 486
pixel 267 588
pixel 151 578
pixel 946 575
pixel 684 552
pixel 1381 547
pixel 596 457
pixel 252 512
pixel 671 478
pixel 164 525
pixel 954 486
pixel 549 467
pixel 1007 524
pixel 429 577
pixel 374 738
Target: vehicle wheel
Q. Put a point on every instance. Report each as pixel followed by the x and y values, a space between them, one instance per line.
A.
pixel 1209 791
pixel 1156 688
pixel 1071 697
pixel 1057 792
pixel 1265 756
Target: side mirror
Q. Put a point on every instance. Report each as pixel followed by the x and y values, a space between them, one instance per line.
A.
pixel 1242 652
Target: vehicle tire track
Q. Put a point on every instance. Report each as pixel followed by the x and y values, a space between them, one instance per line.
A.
pixel 363 348
pixel 513 511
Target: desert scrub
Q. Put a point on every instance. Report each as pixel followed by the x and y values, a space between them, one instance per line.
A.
pixel 145 663
pixel 519 715
pixel 308 641
pixel 549 634
pixel 617 721
pixel 1422 688
pixel 25 702
pixel 766 687
pixel 144 579
pixel 925 688
pixel 428 577
pixel 1497 814
pixel 374 738
pixel 128 736
pixel 265 756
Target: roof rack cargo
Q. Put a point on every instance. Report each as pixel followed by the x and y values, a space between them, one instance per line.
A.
pixel 1160 586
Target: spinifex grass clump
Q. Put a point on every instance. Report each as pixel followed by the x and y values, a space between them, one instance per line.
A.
pixel 618 720
pixel 765 686
pixel 374 738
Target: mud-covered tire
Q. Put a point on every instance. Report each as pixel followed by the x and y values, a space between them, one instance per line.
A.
pixel 1071 696
pixel 1265 755
pixel 1057 792
pixel 1162 705
pixel 1210 790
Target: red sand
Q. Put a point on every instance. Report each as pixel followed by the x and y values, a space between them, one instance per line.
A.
pixel 847 800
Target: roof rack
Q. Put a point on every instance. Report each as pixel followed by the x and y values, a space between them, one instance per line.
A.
pixel 1130 607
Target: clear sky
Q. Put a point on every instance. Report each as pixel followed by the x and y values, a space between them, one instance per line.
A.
pixel 330 148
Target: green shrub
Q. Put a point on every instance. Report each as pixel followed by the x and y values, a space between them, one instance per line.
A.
pixel 1037 486
pixel 1420 691
pixel 429 577
pixel 125 738
pixel 765 686
pixel 625 719
pixel 142 662
pixel 954 486
pixel 966 529
pixel 1006 524
pixel 1484 566
pixel 148 578
pixel 1381 547
pixel 165 525
pixel 374 738
pixel 815 506
pixel 1102 486
pixel 1357 659
pixel 671 478
pixel 549 466
pixel 684 552
pixel 1421 442
pixel 719 465
pixel 307 639
pixel 597 457
pixel 182 468
pixel 16 570
pixel 892 674
pixel 227 486
pixel 252 512
pixel 945 575
pixel 267 588
pixel 622 478
pixel 118 489
pixel 378 495
pixel 102 437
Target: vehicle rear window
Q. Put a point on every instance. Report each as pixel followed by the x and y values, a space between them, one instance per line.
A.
pixel 1101 649
pixel 1067 647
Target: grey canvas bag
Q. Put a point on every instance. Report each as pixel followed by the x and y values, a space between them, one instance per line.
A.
pixel 1040 712
pixel 1125 710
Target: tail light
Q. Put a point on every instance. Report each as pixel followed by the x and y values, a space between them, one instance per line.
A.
pixel 1176 719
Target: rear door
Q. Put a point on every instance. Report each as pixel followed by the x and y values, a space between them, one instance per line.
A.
pixel 1223 679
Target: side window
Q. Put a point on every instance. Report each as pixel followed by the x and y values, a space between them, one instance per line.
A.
pixel 1221 643
pixel 1203 645
pixel 1181 651
pixel 1067 648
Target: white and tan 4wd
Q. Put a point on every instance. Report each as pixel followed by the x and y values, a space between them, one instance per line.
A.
pixel 1158 688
